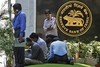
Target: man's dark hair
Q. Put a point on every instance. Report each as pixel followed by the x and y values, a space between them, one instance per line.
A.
pixel 49 40
pixel 47 11
pixel 34 35
pixel 17 6
pixel 55 38
pixel 28 39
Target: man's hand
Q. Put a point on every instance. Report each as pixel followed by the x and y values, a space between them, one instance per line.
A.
pixel 50 28
pixel 21 39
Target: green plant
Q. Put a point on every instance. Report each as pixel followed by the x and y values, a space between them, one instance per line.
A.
pixel 72 47
pixel 96 50
pixel 6 34
pixel 7 40
pixel 84 50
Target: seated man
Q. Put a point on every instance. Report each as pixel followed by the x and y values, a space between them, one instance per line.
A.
pixel 34 37
pixel 58 52
pixel 35 54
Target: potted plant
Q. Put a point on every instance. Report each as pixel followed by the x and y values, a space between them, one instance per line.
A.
pixel 96 52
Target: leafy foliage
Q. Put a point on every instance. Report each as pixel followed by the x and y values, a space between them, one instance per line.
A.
pixel 91 49
pixel 72 48
pixel 7 40
pixel 95 50
pixel 84 50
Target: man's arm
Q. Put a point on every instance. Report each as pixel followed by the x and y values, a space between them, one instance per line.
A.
pixel 22 27
pixel 50 52
pixel 53 26
pixel 35 51
pixel 22 24
pixel 66 46
pixel 44 26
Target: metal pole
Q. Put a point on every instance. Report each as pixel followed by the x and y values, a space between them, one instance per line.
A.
pixel 34 15
pixel 9 8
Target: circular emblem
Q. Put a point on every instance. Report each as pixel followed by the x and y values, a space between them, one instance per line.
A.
pixel 74 18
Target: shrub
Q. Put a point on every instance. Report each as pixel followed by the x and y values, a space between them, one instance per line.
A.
pixel 6 40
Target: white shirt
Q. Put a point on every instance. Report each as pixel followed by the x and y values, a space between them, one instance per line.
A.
pixel 47 24
pixel 43 46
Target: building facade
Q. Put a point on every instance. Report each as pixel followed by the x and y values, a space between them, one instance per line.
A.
pixel 34 10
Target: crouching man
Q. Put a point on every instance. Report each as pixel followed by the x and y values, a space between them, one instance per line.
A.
pixel 35 54
pixel 58 52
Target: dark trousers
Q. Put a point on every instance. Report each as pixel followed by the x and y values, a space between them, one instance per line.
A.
pixel 50 36
pixel 59 59
pixel 19 56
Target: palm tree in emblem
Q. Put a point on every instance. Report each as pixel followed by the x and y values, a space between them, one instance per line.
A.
pixel 74 13
pixel 74 18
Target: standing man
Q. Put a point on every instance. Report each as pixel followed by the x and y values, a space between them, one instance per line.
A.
pixel 19 25
pixel 49 26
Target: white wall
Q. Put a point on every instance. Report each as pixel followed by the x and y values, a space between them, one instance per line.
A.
pixel 29 7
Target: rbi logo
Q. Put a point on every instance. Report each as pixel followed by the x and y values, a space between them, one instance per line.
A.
pixel 74 18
